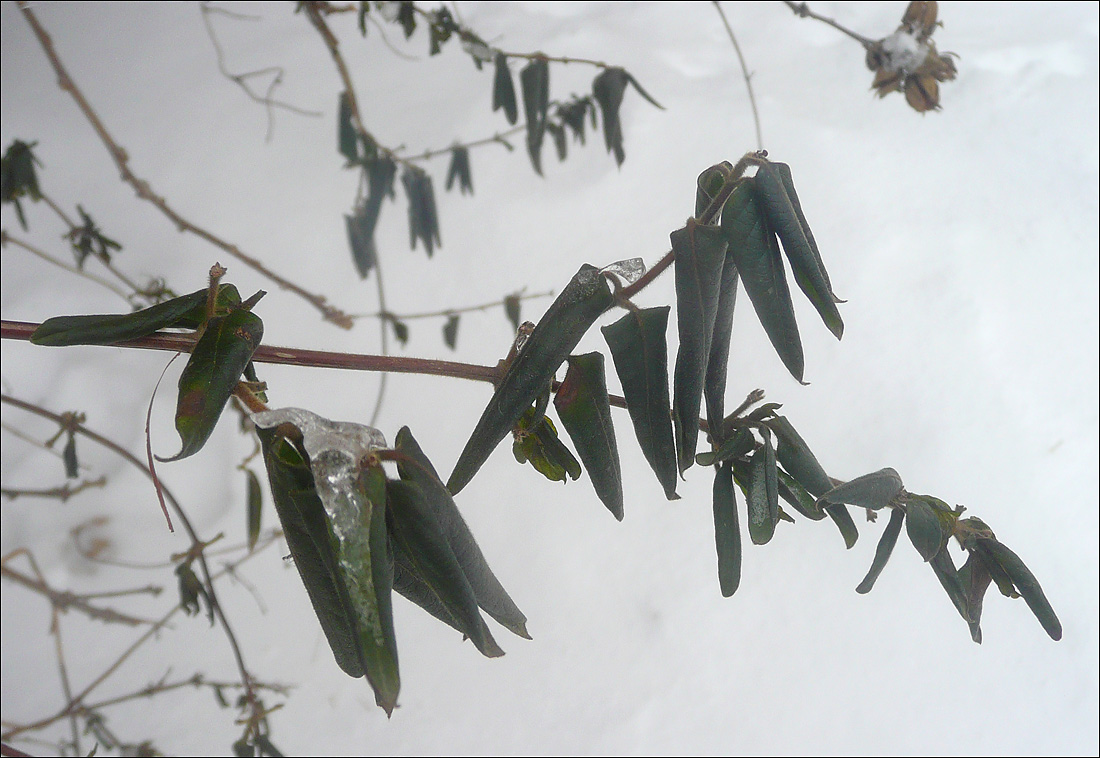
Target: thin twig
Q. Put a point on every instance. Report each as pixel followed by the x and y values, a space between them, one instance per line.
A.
pixel 145 191
pixel 62 493
pixel 241 80
pixel 5 238
pixel 67 600
pixel 37 443
pixel 803 11
pixel 449 311
pixel 745 72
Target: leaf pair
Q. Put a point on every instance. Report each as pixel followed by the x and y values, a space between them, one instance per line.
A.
pixel 460 170
pixel 559 330
pixel 534 81
pixel 423 218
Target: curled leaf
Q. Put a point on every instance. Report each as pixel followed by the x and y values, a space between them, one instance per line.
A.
pixel 727 532
pixel 874 491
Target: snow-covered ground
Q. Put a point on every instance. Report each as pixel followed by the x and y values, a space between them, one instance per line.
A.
pixel 964 241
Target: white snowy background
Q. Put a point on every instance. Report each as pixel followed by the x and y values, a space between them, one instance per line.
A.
pixel 964 241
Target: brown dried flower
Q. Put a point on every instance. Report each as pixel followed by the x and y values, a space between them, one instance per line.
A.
pixel 908 61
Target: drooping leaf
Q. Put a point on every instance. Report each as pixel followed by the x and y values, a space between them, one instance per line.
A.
pixel 843 520
pixel 332 506
pixel 975 580
pixel 798 498
pixel 442 26
pixel 788 184
pixel 557 133
pixel 504 92
pixel 491 596
pixel 512 310
pixel 700 253
pixel 423 219
pixel 572 115
pixel 400 330
pixel 187 311
pixel 797 459
pixel 89 240
pixel 714 386
pixel 945 571
pixel 755 251
pixel 380 178
pixel 727 532
pixel 1026 584
pixel 190 589
pixel 608 88
pixel 925 529
pixel 803 257
pixel 348 139
pixel 460 169
pixel 885 548
pixel 763 494
pixel 361 16
pixel 534 81
pixel 406 16
pixel 559 330
pixel 739 444
pixel 450 331
pixel 638 348
pixel 18 177
pixel 68 456
pixel 254 512
pixel 536 442
pixel 211 374
pixel 874 491
pixel 583 407
pixel 641 91
pixel 415 529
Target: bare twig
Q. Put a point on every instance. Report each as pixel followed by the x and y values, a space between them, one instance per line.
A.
pixel 66 600
pixel 145 191
pixel 448 311
pixel 62 493
pixel 745 72
pixel 5 238
pixel 803 11
pixel 241 80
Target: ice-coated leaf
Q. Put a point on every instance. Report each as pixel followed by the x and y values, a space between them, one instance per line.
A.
pixel 491 596
pixel 450 331
pixel 504 92
pixel 755 252
pixel 805 262
pixel 727 532
pixel 700 254
pixel 874 491
pixel 534 80
pixel 798 498
pixel 186 311
pixel 583 407
pixel 629 270
pixel 608 88
pixel 924 527
pixel 797 459
pixel 638 348
pixel 211 374
pixel 885 548
pixel 559 330
pixel 417 532
pixel 460 170
pixel 255 508
pixel 975 579
pixel 1026 584
pixel 348 140
pixel 714 386
pixel 763 494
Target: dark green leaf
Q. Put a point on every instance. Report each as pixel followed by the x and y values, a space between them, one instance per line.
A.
pixel 559 330
pixel 348 140
pixel 608 88
pixel 925 529
pixel 242 748
pixel 442 26
pixel 460 169
pixel 504 92
pixel 727 532
pixel 755 251
pixel 491 596
pixel 874 491
pixel 843 520
pixel 557 132
pixel 534 81
pixel 266 747
pixel 450 331
pixel 364 9
pixel 797 459
pixel 423 219
pixel 212 372
pixel 975 580
pixel 255 508
pixel 583 407
pixel 700 253
pixel 511 310
pixel 187 311
pixel 738 445
pixel 797 496
pixel 709 184
pixel 763 494
pixel 637 343
pixel 400 330
pixel 1026 584
pixel 419 535
pixel 945 571
pixel 68 456
pixel 406 16
pixel 788 184
pixel 714 388
pixel 88 240
pixel 361 225
pixel 885 547
pixel 789 225
pixel 642 92
pixel 190 589
pixel 18 177
pixel 572 115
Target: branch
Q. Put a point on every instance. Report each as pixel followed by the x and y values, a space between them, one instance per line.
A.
pixel 5 238
pixel 449 311
pixel 745 72
pixel 803 11
pixel 62 493
pixel 65 600
pixel 145 191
